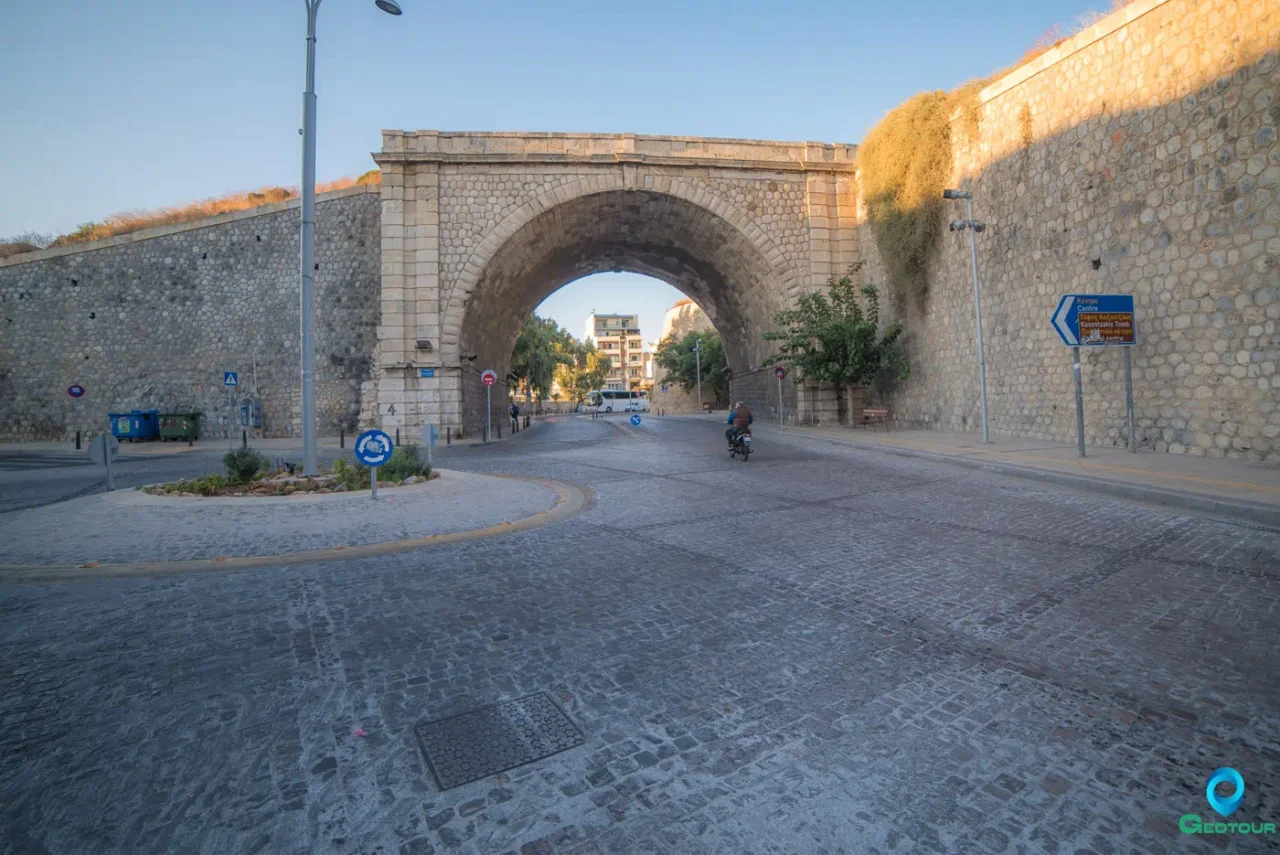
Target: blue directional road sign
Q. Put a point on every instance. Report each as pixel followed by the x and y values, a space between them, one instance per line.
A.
pixel 1095 320
pixel 635 420
pixel 373 448
pixel 229 378
pixel 426 372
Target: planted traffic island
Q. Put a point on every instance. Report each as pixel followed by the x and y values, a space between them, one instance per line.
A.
pixel 250 474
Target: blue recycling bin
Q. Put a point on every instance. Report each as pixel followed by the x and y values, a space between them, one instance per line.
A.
pixel 135 425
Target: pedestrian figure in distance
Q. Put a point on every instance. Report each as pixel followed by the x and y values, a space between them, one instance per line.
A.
pixel 514 409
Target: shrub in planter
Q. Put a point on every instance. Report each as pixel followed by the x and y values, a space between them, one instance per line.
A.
pixel 405 462
pixel 353 476
pixel 244 464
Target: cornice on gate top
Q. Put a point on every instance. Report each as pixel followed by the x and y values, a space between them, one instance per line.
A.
pixel 513 147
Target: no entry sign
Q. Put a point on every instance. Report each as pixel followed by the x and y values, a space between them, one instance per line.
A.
pixel 488 377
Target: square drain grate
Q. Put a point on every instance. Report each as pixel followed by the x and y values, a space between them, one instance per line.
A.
pixel 474 745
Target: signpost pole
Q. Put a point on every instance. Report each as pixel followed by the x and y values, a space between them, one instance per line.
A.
pixel 781 425
pixel 231 443
pixel 697 356
pixel 488 414
pixel 1079 401
pixel 373 482
pixel 1128 401
pixel 1098 320
pixel 106 454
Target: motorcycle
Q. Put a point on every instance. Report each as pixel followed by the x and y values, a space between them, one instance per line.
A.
pixel 741 446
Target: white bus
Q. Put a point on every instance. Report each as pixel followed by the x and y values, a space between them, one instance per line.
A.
pixel 617 401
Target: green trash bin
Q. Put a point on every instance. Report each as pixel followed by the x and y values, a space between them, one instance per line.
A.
pixel 179 426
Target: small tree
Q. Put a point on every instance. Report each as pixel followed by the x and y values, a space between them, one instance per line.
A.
pixel 679 358
pixel 835 338
pixel 584 371
pixel 541 346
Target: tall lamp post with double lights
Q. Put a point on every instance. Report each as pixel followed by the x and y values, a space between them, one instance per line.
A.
pixel 308 236
pixel 974 226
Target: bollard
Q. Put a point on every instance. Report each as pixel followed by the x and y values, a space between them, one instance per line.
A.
pixel 190 441
pixel 244 439
pixel 448 436
pixel 342 438
pixel 499 430
pixel 526 421
pixel 77 440
pixel 397 436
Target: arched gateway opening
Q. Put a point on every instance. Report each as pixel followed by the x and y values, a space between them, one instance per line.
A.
pixel 479 228
pixel 662 236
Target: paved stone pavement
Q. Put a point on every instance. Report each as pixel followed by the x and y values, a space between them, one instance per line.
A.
pixel 129 526
pixel 823 650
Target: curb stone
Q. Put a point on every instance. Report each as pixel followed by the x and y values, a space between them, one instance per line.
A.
pixel 571 499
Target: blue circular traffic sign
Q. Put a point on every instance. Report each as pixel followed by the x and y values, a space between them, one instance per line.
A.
pixel 635 420
pixel 75 391
pixel 373 448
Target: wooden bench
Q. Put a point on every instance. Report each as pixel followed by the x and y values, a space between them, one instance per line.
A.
pixel 870 418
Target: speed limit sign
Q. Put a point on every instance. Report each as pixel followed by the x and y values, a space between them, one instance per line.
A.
pixel 779 372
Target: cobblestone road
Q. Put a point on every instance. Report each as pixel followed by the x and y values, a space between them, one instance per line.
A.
pixel 824 650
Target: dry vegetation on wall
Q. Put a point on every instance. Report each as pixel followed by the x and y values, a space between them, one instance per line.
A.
pixel 903 166
pixel 905 162
pixel 133 221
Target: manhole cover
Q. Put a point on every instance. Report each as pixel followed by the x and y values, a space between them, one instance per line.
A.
pixel 474 745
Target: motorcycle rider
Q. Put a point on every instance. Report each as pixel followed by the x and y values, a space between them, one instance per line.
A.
pixel 740 418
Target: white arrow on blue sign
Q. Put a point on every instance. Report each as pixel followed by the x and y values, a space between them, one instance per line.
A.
pixel 635 420
pixel 229 378
pixel 373 448
pixel 1107 320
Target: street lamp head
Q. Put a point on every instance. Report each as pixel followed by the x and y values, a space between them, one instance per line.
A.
pixel 956 194
pixel 957 226
pixel 979 227
pixel 391 7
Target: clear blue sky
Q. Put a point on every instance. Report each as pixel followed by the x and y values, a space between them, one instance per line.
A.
pixel 115 106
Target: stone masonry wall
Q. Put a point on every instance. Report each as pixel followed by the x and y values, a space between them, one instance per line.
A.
pixel 1138 157
pixel 478 227
pixel 150 320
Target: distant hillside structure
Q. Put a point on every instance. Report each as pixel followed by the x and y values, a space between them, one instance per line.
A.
pixel 684 317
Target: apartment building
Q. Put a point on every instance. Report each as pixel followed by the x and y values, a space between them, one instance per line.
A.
pixel 618 337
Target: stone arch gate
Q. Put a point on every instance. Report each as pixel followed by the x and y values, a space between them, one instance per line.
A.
pixel 478 228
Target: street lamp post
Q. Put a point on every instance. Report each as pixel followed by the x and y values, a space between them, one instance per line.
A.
pixel 974 226
pixel 308 236
pixel 697 371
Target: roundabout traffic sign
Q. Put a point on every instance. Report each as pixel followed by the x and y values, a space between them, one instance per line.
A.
pixel 373 448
